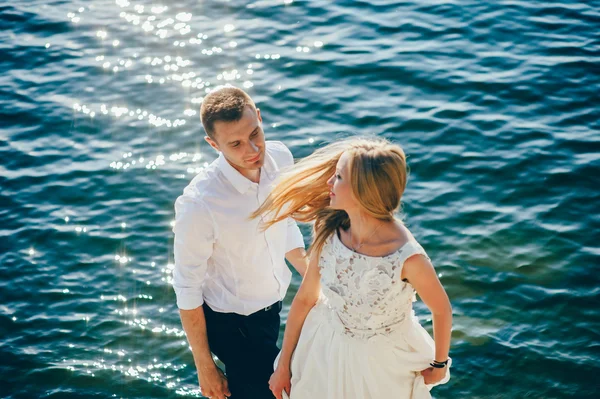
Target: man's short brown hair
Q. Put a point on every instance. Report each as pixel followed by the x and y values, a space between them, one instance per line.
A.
pixel 225 104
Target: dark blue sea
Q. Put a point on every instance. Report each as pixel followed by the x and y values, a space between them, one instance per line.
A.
pixel 496 104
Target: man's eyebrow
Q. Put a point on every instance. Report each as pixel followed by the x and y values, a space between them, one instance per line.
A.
pixel 251 133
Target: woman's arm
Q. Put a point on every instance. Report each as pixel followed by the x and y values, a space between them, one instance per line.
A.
pixel 305 299
pixel 419 271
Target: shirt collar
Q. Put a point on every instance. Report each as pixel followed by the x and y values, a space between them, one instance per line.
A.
pixel 240 182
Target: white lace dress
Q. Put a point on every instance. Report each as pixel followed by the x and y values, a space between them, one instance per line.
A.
pixel 362 339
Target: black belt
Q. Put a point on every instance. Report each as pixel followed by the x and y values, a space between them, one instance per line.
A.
pixel 278 305
pixel 266 309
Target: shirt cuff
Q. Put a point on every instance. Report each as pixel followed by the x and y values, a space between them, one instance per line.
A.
pixel 189 298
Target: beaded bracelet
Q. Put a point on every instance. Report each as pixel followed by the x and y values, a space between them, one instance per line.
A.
pixel 439 365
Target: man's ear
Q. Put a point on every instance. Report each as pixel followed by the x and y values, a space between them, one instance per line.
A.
pixel 212 143
pixel 258 115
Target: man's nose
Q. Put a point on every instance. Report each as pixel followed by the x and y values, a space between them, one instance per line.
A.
pixel 253 146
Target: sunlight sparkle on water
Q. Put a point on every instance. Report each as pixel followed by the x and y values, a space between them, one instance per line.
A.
pixel 184 16
pixel 158 9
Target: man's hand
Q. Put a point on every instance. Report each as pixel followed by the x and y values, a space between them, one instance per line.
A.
pixel 213 383
pixel 280 381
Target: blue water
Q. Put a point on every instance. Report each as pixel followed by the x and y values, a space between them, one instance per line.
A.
pixel 495 103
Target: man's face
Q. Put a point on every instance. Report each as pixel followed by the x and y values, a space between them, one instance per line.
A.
pixel 241 142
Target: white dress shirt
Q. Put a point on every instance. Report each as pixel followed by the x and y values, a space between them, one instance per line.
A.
pixel 221 256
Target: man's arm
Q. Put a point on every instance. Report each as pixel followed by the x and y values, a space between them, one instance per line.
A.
pixel 195 234
pixel 297 257
pixel 294 244
pixel 211 379
pixel 294 247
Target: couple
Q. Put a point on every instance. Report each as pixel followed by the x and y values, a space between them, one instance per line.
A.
pixel 351 331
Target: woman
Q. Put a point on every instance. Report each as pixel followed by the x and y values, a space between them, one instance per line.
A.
pixel 351 331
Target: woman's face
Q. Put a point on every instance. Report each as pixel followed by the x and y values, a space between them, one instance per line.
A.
pixel 340 190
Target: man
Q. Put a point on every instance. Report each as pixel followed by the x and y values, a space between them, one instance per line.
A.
pixel 230 276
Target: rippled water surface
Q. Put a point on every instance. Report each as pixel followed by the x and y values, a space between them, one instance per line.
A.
pixel 495 103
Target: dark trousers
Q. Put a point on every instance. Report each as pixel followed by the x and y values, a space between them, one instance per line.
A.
pixel 247 345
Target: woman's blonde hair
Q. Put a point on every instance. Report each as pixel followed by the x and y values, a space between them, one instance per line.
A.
pixel 377 176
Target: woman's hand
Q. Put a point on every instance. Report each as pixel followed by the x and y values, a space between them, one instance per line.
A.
pixel 280 381
pixel 433 375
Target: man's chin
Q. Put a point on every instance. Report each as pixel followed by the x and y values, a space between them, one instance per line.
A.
pixel 256 164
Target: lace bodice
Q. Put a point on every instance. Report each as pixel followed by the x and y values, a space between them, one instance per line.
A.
pixel 366 295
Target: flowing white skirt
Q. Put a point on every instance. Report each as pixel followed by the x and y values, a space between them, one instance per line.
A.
pixel 328 363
